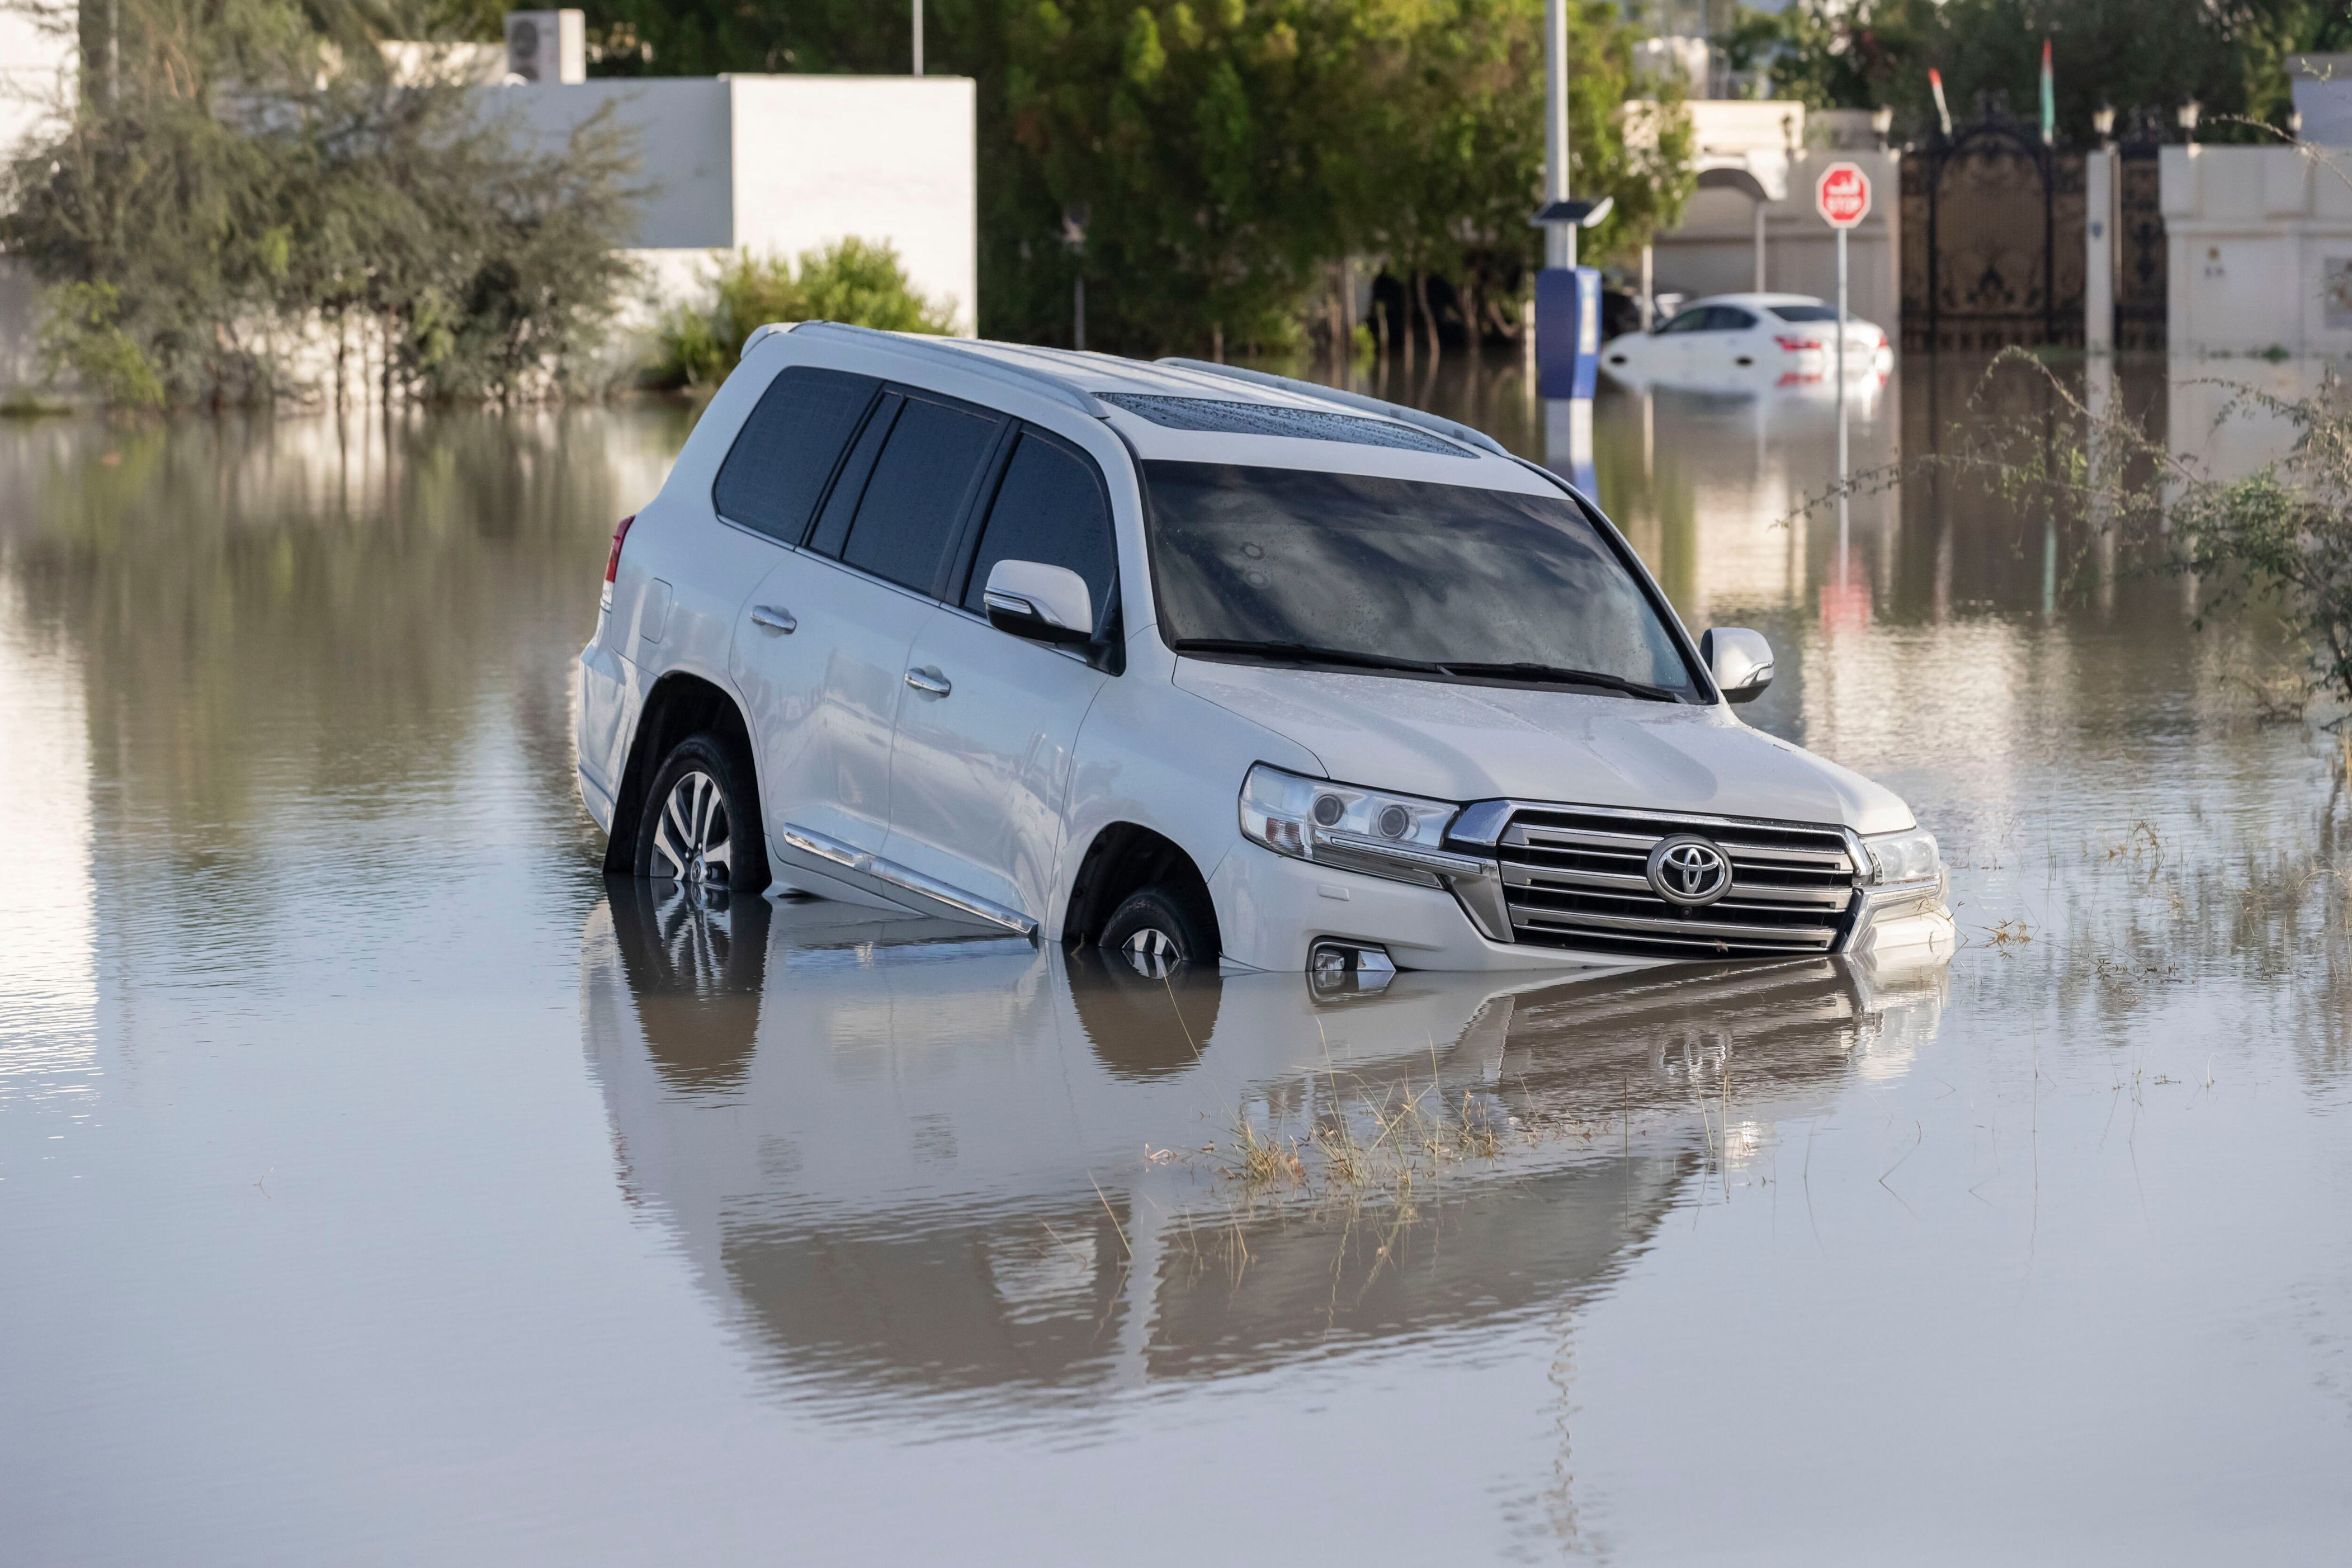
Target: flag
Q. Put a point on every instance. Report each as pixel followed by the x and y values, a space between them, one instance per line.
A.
pixel 2049 100
pixel 1935 80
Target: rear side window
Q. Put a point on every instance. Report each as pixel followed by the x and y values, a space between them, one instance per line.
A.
pixel 907 520
pixel 787 449
pixel 1727 318
pixel 1050 508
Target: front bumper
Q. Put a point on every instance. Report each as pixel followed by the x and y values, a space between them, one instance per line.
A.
pixel 1274 910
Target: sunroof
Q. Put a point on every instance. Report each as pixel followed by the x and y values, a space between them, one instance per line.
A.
pixel 1217 415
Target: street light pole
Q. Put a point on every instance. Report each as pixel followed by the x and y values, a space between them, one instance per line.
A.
pixel 919 38
pixel 1559 238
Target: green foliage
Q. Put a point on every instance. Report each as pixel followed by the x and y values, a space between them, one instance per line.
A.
pixel 853 280
pixel 2229 55
pixel 1228 153
pixel 244 183
pixel 82 336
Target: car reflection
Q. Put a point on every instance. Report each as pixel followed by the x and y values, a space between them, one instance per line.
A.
pixel 907 1159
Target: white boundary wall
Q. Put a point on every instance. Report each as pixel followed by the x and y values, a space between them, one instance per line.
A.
pixel 781 165
pixel 2258 245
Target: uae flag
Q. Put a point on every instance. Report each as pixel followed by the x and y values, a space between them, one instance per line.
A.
pixel 2048 99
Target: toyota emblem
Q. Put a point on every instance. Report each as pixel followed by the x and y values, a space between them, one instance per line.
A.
pixel 1687 869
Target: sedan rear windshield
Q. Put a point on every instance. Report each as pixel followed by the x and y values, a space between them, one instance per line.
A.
pixel 1441 581
pixel 1803 312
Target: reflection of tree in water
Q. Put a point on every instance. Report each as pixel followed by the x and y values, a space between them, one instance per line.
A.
pixel 342 612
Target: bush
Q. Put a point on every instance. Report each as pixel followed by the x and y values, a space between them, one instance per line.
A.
pixel 853 280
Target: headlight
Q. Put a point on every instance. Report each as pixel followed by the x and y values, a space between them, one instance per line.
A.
pixel 1907 856
pixel 1363 829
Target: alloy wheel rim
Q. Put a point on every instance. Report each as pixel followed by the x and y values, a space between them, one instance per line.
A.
pixel 1151 953
pixel 692 844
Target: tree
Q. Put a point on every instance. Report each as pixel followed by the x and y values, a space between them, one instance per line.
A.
pixel 237 184
pixel 2228 55
pixel 1226 152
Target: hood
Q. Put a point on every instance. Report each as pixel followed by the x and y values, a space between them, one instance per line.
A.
pixel 1486 743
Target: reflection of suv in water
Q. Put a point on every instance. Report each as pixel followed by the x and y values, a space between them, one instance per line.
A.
pixel 1190 662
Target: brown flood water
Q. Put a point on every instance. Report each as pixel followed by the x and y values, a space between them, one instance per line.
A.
pixel 378 1187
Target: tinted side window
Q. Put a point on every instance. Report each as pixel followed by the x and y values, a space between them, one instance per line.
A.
pixel 786 450
pixel 905 523
pixel 1727 318
pixel 1689 322
pixel 832 527
pixel 1051 508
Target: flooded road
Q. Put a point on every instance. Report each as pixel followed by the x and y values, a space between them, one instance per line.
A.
pixel 379 1185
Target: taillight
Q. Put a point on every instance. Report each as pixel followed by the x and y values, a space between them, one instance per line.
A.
pixel 1797 345
pixel 613 561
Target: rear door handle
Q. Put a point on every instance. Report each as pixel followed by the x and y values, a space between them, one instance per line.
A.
pixel 929 678
pixel 775 619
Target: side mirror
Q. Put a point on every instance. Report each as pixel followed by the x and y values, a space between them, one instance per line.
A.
pixel 1044 603
pixel 1740 660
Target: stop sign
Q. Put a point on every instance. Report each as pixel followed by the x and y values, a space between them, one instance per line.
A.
pixel 1843 196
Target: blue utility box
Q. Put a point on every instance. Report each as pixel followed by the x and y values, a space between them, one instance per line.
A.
pixel 1567 332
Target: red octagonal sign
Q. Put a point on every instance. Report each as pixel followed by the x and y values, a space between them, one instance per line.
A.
pixel 1843 196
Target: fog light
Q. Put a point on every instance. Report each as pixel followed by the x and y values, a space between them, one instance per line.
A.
pixel 1336 965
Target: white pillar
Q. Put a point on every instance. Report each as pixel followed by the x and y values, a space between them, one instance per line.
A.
pixel 2099 252
pixel 1559 238
pixel 919 38
pixel 1649 292
pixel 1760 245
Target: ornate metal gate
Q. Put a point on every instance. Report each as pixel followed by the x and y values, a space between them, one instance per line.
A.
pixel 2139 237
pixel 1992 240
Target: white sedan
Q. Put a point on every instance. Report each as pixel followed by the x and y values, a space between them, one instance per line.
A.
pixel 1751 342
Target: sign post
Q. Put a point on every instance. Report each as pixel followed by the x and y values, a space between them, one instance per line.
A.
pixel 1842 196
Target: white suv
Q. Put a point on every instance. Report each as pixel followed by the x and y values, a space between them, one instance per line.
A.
pixel 1196 664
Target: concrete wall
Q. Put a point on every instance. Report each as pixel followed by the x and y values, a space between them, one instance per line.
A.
pixel 895 158
pixel 2259 244
pixel 781 165
pixel 685 148
pixel 1713 250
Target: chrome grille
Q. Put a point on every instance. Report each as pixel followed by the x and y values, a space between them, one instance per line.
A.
pixel 1579 878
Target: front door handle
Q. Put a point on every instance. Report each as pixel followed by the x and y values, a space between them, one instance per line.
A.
pixel 775 619
pixel 929 678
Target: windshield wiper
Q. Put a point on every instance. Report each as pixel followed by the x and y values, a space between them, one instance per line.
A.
pixel 1307 653
pixel 1525 671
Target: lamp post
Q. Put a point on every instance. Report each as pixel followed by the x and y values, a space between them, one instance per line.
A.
pixel 1567 296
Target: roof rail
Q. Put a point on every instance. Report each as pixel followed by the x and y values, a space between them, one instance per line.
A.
pixel 1436 423
pixel 944 350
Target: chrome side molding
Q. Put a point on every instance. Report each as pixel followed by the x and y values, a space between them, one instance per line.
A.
pixel 864 863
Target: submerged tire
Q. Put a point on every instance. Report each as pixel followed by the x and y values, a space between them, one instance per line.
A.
pixel 700 825
pixel 1156 929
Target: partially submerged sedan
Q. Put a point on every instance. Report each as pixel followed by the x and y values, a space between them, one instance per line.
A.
pixel 1785 341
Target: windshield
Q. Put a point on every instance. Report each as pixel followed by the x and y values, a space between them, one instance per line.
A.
pixel 1435 580
pixel 1803 312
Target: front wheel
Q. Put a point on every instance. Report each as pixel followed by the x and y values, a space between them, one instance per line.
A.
pixel 1155 929
pixel 700 827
